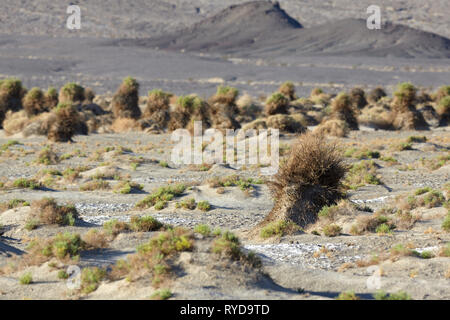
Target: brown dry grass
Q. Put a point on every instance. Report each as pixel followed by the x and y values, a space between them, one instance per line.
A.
pixel 309 179
pixel 66 123
pixel 277 103
pixel 333 127
pixel 95 239
pixel 125 102
pixel 46 211
pixel 285 123
pixel 342 109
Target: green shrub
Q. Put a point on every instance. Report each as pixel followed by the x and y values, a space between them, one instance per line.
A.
pixel 384 228
pixel 189 204
pixel 401 295
pixel 204 205
pixel 347 295
pixel 279 228
pixel 446 223
pixel 145 224
pixel 417 139
pixel 203 229
pixel 25 279
pixel 63 274
pixel 91 278
pixel 162 294
pixel 114 227
pixel 332 230
pixel 162 194
pixel 26 183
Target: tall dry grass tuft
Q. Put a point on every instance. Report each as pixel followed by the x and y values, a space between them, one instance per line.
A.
pixel 11 94
pixel 342 109
pixel 404 110
pixel 358 98
pixel 158 107
pixel 71 93
pixel 376 94
pixel 307 181
pixel 67 122
pixel 288 90
pixel 276 103
pixel 125 103
pixel 34 102
pixel 51 98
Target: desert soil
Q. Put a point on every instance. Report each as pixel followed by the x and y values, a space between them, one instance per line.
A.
pixel 294 267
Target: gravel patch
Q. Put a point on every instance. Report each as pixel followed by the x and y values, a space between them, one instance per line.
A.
pixel 301 254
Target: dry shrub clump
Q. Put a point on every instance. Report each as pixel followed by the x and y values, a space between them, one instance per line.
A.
pixel 51 98
pixel 224 108
pixel 34 102
pixel 333 127
pixel 376 116
pixel 285 123
pixel 276 103
pixel 187 110
pixel 64 247
pixel 226 96
pixel 358 98
pixel 405 114
pixel 16 122
pixel 442 92
pixel 94 239
pixel 47 212
pixel 89 95
pixel 376 94
pixel 288 90
pixel 309 180
pixel 443 110
pixel 342 109
pixel 47 156
pixel 158 107
pixel 11 94
pixel 125 103
pixel 71 93
pixel 248 109
pixel 66 124
pixel 155 257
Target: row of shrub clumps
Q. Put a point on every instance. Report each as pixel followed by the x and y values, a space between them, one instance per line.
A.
pixel 72 111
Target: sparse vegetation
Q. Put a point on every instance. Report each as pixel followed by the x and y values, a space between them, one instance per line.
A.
pixel 203 205
pixel 203 229
pixel 362 173
pixel 125 100
pixel 91 278
pixel 332 230
pixel 26 279
pixel 145 224
pixel 162 194
pixel 46 211
pixel 347 295
pixel 277 103
pixel 279 229
pixel 162 294
pixel 401 295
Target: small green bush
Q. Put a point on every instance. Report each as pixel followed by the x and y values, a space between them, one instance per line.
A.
pixel 204 205
pixel 279 228
pixel 203 229
pixel 26 279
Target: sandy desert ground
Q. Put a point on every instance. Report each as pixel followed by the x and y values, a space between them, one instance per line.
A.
pixel 390 233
